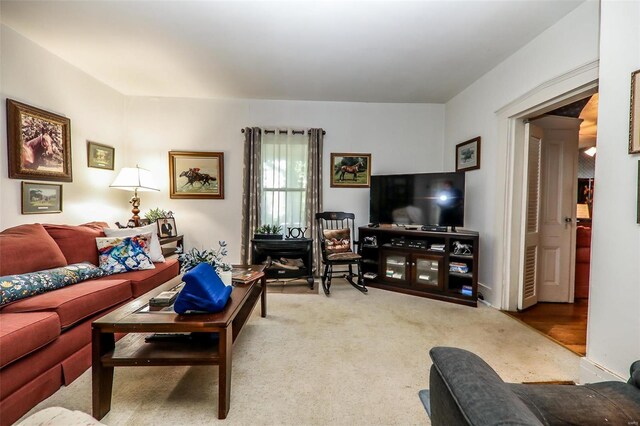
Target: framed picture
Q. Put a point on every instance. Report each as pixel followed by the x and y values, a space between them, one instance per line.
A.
pixel 38 198
pixel 468 155
pixel 196 174
pixel 100 156
pixel 167 227
pixel 350 170
pixel 634 115
pixel 638 196
pixel 39 143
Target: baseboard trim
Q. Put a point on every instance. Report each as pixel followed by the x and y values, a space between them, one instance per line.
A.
pixel 591 372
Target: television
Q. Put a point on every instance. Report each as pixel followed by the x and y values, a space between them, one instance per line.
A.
pixel 418 199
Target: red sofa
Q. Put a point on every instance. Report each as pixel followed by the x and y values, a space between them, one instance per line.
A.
pixel 583 261
pixel 45 340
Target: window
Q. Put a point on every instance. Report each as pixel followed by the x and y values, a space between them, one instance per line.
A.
pixel 284 179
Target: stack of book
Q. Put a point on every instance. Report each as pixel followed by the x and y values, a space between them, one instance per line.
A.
pixel 467 290
pixel 458 267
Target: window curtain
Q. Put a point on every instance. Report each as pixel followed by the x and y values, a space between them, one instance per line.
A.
pixel 314 190
pixel 252 174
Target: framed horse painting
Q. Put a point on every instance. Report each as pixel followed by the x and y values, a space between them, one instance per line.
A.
pixel 350 170
pixel 39 143
pixel 196 174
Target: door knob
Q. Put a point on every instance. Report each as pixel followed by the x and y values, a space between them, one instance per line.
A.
pixel 568 219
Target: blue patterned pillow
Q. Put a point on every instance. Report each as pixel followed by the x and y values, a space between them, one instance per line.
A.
pixel 124 254
pixel 16 287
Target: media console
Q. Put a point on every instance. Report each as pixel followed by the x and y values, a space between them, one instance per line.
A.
pixel 422 263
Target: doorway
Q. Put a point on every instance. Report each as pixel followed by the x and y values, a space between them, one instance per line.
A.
pixel 560 164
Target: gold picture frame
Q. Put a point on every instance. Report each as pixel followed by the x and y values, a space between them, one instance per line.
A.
pixel 100 156
pixel 196 175
pixel 39 143
pixel 350 170
pixel 634 114
pixel 41 198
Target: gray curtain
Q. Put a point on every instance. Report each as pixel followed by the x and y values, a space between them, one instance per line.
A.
pixel 314 190
pixel 251 195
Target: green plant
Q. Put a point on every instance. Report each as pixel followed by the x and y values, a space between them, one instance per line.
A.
pixel 192 258
pixel 154 214
pixel 269 229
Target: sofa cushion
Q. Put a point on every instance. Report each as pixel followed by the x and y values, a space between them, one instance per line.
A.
pixel 124 254
pixel 144 281
pixel 155 250
pixel 76 302
pixel 77 243
pixel 16 287
pixel 18 244
pixel 21 334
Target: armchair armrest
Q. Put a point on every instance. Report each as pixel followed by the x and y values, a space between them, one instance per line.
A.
pixel 463 389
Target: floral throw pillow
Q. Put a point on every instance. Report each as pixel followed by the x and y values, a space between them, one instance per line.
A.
pixel 123 254
pixel 16 287
pixel 337 240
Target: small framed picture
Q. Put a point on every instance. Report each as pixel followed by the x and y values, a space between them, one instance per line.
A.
pixel 634 115
pixel 350 170
pixel 38 198
pixel 468 155
pixel 100 156
pixel 167 227
pixel 39 143
pixel 196 174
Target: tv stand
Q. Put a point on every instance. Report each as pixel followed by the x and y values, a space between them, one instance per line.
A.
pixel 422 263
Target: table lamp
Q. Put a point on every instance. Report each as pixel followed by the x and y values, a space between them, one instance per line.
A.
pixel 135 179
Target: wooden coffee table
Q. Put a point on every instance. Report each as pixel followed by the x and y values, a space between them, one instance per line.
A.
pixel 139 321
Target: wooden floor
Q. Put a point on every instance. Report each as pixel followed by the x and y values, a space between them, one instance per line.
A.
pixel 566 323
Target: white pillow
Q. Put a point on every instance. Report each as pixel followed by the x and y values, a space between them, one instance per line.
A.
pixel 155 251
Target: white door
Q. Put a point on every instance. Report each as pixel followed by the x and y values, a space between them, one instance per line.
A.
pixel 558 180
pixel 528 295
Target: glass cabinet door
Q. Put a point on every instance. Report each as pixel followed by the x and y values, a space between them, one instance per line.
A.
pixel 427 272
pixel 395 266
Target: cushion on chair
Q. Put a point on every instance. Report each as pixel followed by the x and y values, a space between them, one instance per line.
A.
pixel 337 240
pixel 343 256
pixel 18 245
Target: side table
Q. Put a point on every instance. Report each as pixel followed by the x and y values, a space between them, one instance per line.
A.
pixel 293 248
pixel 168 251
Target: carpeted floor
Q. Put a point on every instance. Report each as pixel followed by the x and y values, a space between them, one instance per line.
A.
pixel 345 359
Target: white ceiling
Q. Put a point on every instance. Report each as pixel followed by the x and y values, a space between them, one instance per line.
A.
pixel 384 51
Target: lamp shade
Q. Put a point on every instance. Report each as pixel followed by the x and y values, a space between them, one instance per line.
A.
pixel 135 178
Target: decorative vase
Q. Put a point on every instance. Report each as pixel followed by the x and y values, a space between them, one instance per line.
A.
pixel 226 277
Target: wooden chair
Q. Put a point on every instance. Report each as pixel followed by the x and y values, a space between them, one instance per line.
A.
pixel 336 235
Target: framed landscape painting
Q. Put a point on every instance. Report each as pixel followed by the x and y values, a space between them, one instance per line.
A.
pixel 100 156
pixel 39 143
pixel 196 174
pixel 350 170
pixel 468 155
pixel 634 114
pixel 40 198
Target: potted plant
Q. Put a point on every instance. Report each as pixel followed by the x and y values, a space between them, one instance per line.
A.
pixel 154 214
pixel 268 232
pixel 190 259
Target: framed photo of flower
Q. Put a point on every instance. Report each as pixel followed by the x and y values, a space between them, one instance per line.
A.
pixel 39 198
pixel 468 155
pixel 39 143
pixel 350 170
pixel 196 174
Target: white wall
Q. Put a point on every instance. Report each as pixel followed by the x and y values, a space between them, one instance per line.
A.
pixel 570 43
pixel 613 339
pixel 402 138
pixel 34 76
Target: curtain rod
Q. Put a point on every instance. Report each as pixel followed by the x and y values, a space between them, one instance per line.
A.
pixel 295 132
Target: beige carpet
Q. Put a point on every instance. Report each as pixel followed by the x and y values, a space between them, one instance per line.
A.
pixel 345 359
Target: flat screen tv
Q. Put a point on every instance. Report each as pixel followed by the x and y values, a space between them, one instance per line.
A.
pixel 418 199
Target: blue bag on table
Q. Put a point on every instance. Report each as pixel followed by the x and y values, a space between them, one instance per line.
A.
pixel 203 291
